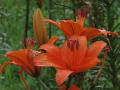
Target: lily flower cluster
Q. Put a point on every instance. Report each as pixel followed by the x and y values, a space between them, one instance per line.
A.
pixel 74 56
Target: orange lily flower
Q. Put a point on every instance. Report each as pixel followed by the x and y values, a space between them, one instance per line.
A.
pixel 24 59
pixel 72 87
pixel 70 27
pixel 73 57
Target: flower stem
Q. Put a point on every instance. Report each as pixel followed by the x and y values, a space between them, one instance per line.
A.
pixel 68 82
pixel 26 20
pixel 39 81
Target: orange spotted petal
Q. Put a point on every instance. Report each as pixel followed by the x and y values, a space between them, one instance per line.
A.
pixel 49 44
pixel 77 28
pixel 76 55
pixel 41 60
pixel 53 55
pixel 91 33
pixel 48 47
pixel 88 63
pixel 53 40
pixel 67 54
pixel 67 27
pixel 95 48
pixel 62 75
pixel 62 87
pixel 82 49
pixel 21 57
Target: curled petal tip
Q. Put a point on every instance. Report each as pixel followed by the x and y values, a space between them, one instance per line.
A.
pixel 7 53
pixel 53 40
pixel 105 32
pixel 113 33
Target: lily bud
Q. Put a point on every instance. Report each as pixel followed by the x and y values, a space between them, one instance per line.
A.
pixel 39 27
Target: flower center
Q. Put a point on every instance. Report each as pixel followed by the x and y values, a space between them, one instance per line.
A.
pixel 73 44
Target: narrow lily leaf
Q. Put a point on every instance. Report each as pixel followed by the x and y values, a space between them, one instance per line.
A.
pixel 39 27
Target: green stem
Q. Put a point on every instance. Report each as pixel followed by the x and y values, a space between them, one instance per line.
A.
pixel 26 20
pixel 39 81
pixel 68 82
pixel 50 17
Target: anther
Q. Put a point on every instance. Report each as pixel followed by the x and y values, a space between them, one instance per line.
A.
pixel 83 12
pixel 68 43
pixel 76 12
pixel 77 44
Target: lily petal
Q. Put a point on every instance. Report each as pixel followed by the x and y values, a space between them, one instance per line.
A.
pixel 4 65
pixel 49 44
pixel 78 29
pixel 78 53
pixel 73 87
pixel 53 55
pixel 67 27
pixel 92 33
pixel 105 33
pixel 113 33
pixel 63 87
pixel 88 63
pixel 53 40
pixel 95 49
pixel 52 22
pixel 41 60
pixel 62 75
pixel 20 57
pixel 23 67
pixel 82 49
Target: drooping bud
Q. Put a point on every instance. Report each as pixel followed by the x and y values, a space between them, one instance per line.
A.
pixel 39 27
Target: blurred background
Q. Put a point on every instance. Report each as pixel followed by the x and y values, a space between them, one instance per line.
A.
pixel 16 23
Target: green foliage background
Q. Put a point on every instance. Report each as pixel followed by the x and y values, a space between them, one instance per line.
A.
pixel 102 14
